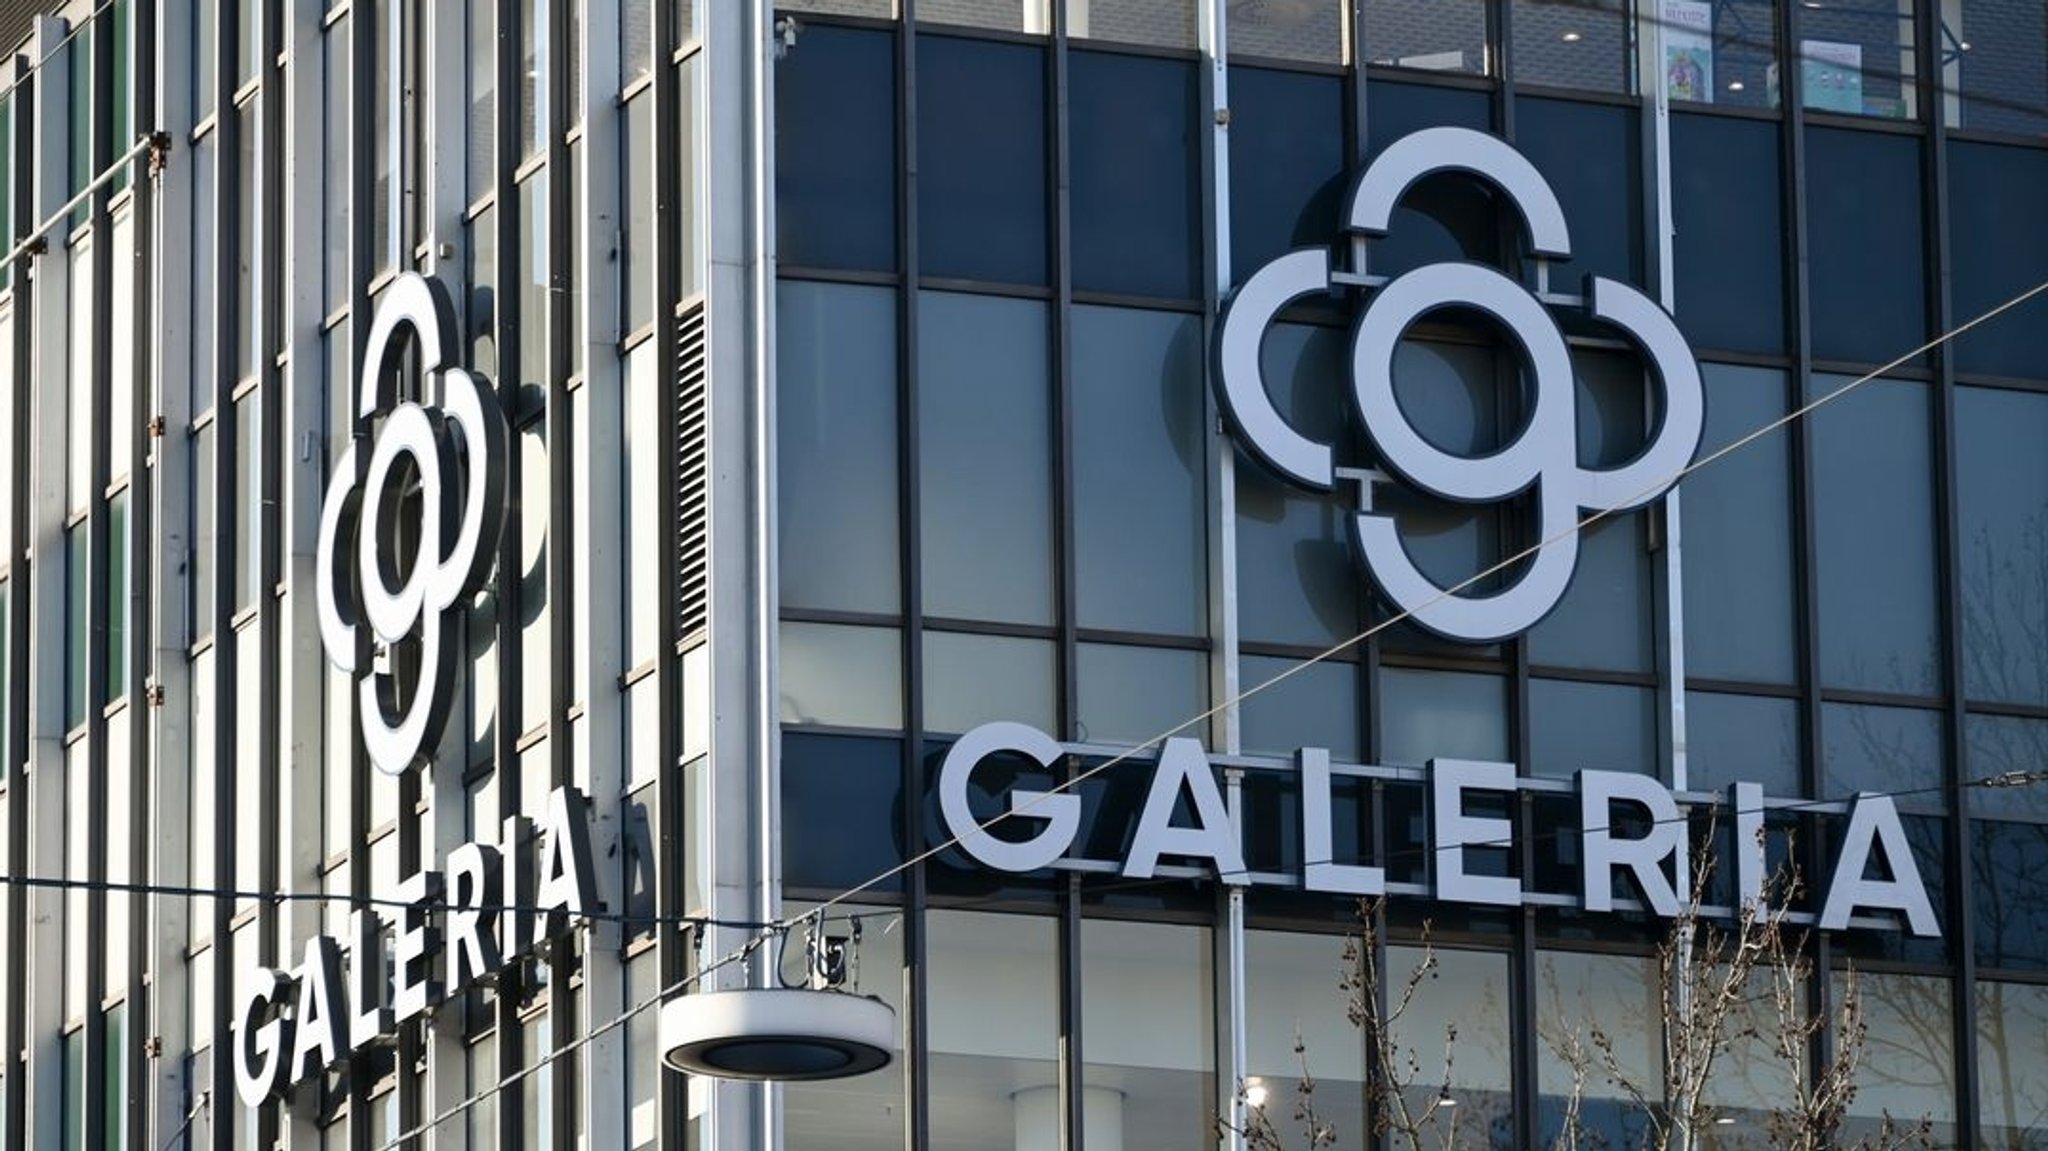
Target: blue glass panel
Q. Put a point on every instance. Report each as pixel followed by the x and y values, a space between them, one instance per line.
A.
pixel 981 181
pixel 1591 155
pixel 1728 248
pixel 1735 515
pixel 842 805
pixel 2002 512
pixel 1998 244
pixel 1136 215
pixel 835 150
pixel 1286 164
pixel 1865 241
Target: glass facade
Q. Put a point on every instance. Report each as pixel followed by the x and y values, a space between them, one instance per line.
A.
pixel 858 361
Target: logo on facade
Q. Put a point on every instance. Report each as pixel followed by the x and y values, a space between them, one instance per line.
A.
pixel 412 533
pixel 1541 459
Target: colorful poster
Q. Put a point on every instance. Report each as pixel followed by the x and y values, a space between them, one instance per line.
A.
pixel 1689 50
pixel 1833 75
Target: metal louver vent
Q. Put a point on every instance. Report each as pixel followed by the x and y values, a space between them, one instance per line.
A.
pixel 693 475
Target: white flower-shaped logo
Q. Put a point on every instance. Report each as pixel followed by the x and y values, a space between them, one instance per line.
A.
pixel 1542 458
pixel 422 517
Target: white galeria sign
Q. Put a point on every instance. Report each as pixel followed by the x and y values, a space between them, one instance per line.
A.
pixel 1542 459
pixel 1039 829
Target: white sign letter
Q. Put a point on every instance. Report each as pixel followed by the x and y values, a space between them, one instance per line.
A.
pixel 1453 831
pixel 1598 791
pixel 1182 762
pixel 1875 817
pixel 1061 811
pixel 1320 870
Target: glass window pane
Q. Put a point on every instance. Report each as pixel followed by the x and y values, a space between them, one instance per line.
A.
pixel 835 150
pixel 1149 1047
pixel 534 297
pixel 1133 143
pixel 1863 209
pixel 1463 1002
pixel 1297 580
pixel 75 604
pixel 9 458
pixel 1316 706
pixel 205 577
pixel 1728 243
pixel 2002 508
pixel 335 179
pixel 636 265
pixel 535 65
pixel 1992 53
pixel 1874 537
pixel 530 580
pixel 1429 714
pixel 205 32
pixel 838 493
pixel 684 216
pixel 1140 464
pixel 482 120
pixel 1998 245
pixel 117 599
pixel 1586 45
pixel 2008 844
pixel 985 426
pixel 1130 694
pixel 1895 750
pixel 1736 515
pixel 248 41
pixel 842 676
pixel 1617 997
pixel 1856 57
pixel 1446 216
pixel 1751 738
pixel 1591 726
pixel 874 9
pixel 1286 162
pixel 1431 35
pixel 248 552
pixel 121 341
pixel 975 679
pixel 1908 1066
pixel 1157 23
pixel 81 397
pixel 842 802
pixel 1591 156
pixel 246 334
pixel 1310 30
pixel 1292 993
pixel 994 1058
pixel 646 549
pixel 981 182
pixel 1720 53
pixel 2012 1065
pixel 383 140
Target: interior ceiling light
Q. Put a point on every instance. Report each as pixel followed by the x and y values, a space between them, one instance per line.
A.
pixel 1571 37
pixel 782 1033
pixel 1735 85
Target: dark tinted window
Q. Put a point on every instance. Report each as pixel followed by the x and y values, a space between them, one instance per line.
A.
pixel 1589 154
pixel 1998 46
pixel 1286 164
pixel 1728 253
pixel 1864 244
pixel 1132 138
pixel 842 803
pixel 1998 239
pixel 981 189
pixel 835 150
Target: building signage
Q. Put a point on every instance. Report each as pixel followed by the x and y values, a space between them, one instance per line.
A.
pixel 489 905
pixel 1873 870
pixel 1542 459
pixel 407 537
pixel 456 454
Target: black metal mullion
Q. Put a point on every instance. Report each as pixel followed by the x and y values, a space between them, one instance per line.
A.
pixel 511 268
pixel 916 882
pixel 1961 929
pixel 1071 1054
pixel 21 159
pixel 562 1081
pixel 363 54
pixel 230 756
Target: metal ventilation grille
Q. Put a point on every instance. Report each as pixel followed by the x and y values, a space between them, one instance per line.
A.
pixel 693 475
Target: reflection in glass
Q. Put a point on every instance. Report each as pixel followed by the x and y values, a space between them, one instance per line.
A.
pixel 1140 496
pixel 1874 543
pixel 1427 35
pixel 1866 243
pixel 1286 160
pixel 842 676
pixel 1590 154
pixel 1908 1066
pixel 985 419
pixel 994 1055
pixel 1293 995
pixel 1459 1011
pixel 1728 251
pixel 836 446
pixel 1316 706
pixel 1895 750
pixel 1737 519
pixel 2002 509
pixel 2012 1065
pixel 1752 738
pixel 1618 997
pixel 1427 714
pixel 1128 694
pixel 975 679
pixel 1149 1043
pixel 1006 15
pixel 1720 53
pixel 863 1113
pixel 1577 726
pixel 1157 23
pixel 1996 245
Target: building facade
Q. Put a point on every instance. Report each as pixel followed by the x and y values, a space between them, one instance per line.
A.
pixel 512 504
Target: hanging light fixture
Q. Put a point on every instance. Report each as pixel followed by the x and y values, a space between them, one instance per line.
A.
pixel 814 1030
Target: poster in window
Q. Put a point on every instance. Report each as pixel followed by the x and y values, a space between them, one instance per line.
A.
pixel 1833 75
pixel 1689 50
